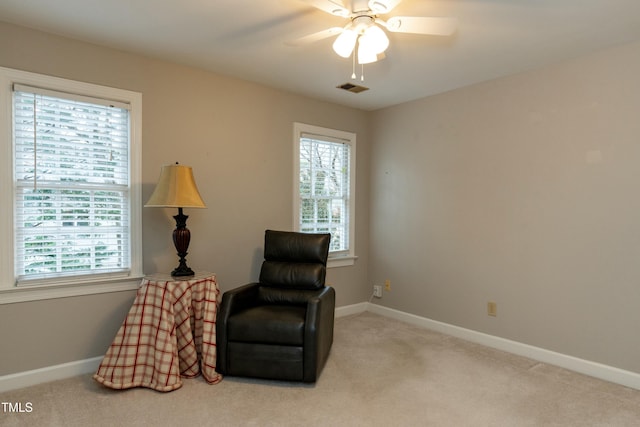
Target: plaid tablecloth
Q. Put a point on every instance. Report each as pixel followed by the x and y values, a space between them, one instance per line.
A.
pixel 169 333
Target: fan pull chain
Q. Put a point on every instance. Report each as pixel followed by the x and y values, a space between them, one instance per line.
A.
pixel 353 68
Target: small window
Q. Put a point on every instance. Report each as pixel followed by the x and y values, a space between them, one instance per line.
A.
pixel 324 188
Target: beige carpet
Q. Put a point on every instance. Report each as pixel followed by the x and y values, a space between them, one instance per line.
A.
pixel 381 372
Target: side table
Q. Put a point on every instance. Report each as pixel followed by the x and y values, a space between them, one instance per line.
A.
pixel 169 333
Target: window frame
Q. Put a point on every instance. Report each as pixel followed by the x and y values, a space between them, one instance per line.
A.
pixel 346 257
pixel 78 285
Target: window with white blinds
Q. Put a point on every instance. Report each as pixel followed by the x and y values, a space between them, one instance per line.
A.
pixel 325 186
pixel 71 184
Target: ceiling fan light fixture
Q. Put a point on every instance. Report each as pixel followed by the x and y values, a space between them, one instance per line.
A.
pixel 365 54
pixel 375 38
pixel 345 43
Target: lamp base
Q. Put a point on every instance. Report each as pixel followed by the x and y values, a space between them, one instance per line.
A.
pixel 181 271
pixel 181 238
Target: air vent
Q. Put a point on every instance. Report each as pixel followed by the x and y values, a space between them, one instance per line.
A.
pixel 350 87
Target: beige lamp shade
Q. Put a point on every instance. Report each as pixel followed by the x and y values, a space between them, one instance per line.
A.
pixel 176 188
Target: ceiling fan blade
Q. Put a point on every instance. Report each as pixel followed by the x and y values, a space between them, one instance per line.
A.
pixel 422 25
pixel 334 7
pixel 383 6
pixel 314 37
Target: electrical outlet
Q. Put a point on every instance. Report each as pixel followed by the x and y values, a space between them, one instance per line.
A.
pixel 377 291
pixel 387 285
pixel 492 309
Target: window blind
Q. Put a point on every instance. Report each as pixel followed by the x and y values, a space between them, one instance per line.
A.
pixel 324 189
pixel 71 184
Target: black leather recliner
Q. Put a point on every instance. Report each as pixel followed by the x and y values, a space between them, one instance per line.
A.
pixel 281 327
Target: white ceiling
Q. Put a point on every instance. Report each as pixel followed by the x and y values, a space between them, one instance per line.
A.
pixel 246 39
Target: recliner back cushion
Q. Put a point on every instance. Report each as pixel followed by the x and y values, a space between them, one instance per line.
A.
pixel 292 275
pixel 294 260
pixel 296 247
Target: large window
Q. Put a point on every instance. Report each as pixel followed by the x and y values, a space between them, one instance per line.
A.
pixel 74 190
pixel 324 190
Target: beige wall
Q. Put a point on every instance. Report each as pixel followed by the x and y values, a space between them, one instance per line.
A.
pixel 237 136
pixel 523 191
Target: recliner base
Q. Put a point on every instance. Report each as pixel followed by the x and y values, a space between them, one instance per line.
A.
pixel 265 361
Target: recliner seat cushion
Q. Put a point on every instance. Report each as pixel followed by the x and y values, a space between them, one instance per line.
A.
pixel 286 296
pixel 268 324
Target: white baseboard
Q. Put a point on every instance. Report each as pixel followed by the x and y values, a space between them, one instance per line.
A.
pixel 352 309
pixel 593 369
pixel 597 370
pixel 50 373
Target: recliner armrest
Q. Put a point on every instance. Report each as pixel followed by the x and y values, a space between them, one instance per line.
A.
pixel 239 299
pixel 319 331
pixel 232 302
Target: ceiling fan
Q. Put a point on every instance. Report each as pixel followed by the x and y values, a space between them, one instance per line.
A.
pixel 365 27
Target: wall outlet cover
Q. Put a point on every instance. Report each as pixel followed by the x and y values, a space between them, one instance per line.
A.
pixel 377 291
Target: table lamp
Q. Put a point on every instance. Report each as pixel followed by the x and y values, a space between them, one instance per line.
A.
pixel 176 188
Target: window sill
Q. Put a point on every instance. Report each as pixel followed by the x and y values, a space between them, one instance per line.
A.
pixel 343 261
pixel 36 293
